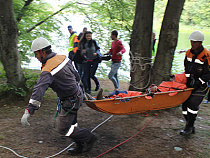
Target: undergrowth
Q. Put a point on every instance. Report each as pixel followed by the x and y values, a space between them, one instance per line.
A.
pixel 10 91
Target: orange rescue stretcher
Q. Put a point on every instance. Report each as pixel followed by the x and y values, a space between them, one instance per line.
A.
pixel 172 93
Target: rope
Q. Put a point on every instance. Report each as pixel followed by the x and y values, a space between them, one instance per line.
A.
pixel 63 149
pixel 101 123
pixel 12 151
pixel 127 139
pixel 141 88
pixel 139 61
pixel 142 62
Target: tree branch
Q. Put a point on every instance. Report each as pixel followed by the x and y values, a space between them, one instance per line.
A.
pixel 27 31
pixel 19 17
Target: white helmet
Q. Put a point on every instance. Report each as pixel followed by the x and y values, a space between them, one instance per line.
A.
pixel 196 36
pixel 39 43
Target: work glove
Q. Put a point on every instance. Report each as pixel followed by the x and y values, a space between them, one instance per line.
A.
pixel 24 119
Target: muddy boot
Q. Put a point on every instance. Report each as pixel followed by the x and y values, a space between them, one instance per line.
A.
pixel 78 149
pixel 189 128
pixel 89 145
pixel 186 118
pixel 187 131
pixel 100 94
pixel 183 132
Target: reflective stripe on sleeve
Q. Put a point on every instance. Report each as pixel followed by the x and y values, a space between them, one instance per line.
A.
pixel 54 71
pixel 187 75
pixel 189 59
pixel 71 130
pixel 35 102
pixel 192 111
pixel 184 112
pixel 202 81
pixel 198 61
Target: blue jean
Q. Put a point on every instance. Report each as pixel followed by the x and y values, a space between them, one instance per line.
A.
pixel 80 69
pixel 90 68
pixel 113 74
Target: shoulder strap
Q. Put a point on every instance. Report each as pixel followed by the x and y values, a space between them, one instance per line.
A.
pixel 94 41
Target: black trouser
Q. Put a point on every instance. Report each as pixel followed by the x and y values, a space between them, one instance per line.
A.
pixel 190 107
pixel 67 125
pixel 90 68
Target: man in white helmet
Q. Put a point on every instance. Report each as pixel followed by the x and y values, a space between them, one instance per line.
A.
pixel 197 71
pixel 58 73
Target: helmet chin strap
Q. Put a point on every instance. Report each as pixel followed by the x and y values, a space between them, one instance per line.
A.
pixel 41 54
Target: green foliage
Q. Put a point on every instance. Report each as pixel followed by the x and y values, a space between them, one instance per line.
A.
pixel 28 18
pixel 105 16
pixel 159 11
pixel 8 90
pixel 196 13
pixel 2 72
pixel 102 17
pixel 31 77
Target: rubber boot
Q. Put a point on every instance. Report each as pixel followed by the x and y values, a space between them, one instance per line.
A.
pixel 186 118
pixel 189 128
pixel 78 149
pixel 183 132
pixel 187 131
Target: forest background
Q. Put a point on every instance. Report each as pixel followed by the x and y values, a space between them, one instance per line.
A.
pixel 46 19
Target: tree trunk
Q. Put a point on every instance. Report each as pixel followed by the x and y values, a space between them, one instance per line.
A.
pixel 141 45
pixel 9 45
pixel 167 41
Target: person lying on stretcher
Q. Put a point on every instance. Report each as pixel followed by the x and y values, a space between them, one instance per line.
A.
pixel 178 83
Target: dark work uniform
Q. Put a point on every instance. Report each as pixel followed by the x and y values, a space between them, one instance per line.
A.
pixel 197 70
pixel 58 73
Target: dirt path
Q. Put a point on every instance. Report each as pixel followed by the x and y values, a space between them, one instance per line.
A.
pixel 158 139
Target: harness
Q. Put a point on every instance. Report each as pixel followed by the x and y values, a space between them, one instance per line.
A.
pixel 68 104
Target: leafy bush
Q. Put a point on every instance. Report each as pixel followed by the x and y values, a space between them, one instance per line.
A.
pixel 7 90
pixel 31 77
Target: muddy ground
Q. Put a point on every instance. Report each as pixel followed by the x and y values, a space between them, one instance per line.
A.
pixel 159 139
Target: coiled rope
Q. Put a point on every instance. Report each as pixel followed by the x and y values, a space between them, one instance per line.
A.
pixel 142 62
pixel 63 149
